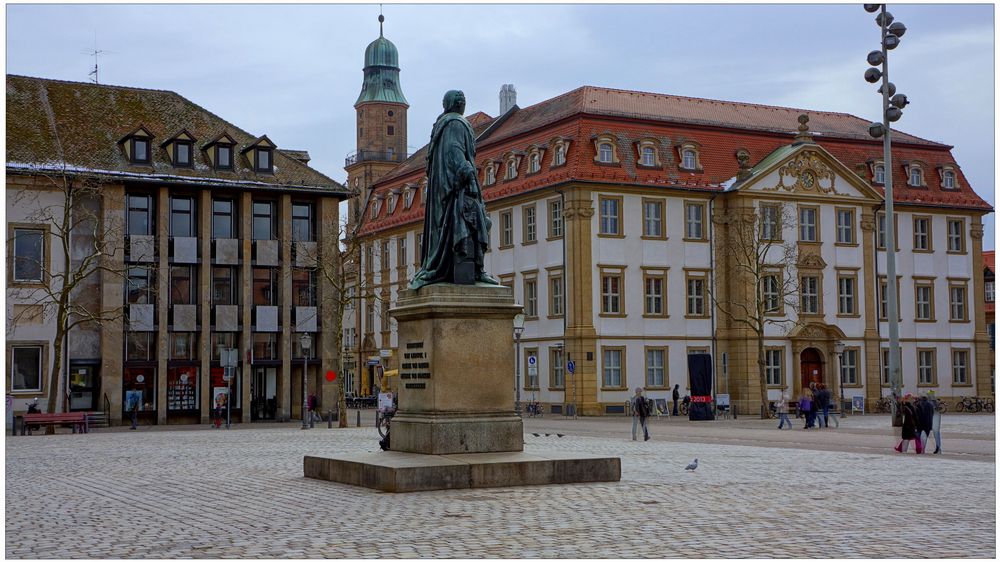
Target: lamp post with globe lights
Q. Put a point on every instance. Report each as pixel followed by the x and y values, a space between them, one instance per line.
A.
pixel 305 342
pixel 838 349
pixel 892 110
pixel 518 330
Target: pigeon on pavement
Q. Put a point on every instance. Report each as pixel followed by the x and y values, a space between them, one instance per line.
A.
pixel 692 466
pixel 536 435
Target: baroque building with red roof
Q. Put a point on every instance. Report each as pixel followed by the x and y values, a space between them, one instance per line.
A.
pixel 611 212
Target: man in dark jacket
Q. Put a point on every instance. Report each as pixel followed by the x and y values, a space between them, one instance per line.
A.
pixel 677 396
pixel 925 421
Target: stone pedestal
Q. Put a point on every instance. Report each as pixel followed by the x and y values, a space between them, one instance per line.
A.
pixel 456 358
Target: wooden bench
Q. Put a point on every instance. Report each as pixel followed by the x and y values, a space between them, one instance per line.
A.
pixel 76 420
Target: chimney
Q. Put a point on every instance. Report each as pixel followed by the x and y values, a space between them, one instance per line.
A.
pixel 508 98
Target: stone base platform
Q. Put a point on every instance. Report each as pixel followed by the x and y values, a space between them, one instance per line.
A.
pixel 393 471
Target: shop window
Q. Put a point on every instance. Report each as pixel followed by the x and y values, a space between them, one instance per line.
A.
pixel 182 389
pixel 26 368
pixel 139 389
pixel 222 390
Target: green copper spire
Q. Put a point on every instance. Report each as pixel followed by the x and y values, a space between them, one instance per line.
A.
pixel 381 72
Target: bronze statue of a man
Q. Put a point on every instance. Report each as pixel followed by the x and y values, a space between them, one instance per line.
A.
pixel 456 228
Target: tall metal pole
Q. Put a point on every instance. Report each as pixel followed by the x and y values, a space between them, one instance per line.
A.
pixel 895 379
pixel 305 380
pixel 517 369
pixel 229 394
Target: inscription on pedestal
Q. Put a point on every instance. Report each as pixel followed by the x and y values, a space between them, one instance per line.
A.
pixel 415 365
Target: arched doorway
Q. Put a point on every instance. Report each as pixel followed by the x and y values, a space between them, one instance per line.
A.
pixel 811 366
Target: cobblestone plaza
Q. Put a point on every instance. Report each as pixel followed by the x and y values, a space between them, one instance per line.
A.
pixel 166 493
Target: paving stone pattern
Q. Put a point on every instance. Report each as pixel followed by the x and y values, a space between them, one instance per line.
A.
pixel 241 494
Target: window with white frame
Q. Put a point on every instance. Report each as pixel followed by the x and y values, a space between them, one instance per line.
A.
pixel 807 224
pixel 392 204
pixel 530 227
pixel 531 297
pixel 26 368
pixel 810 294
pixel 689 159
pixel 880 173
pixel 612 367
pixel 771 292
pixel 773 366
pixel 846 295
pixel 604 153
pixel 845 226
pixel 407 198
pixel 611 293
pixel 960 366
pixel 648 156
pixel 384 263
pixel 948 179
pixel 610 215
pixel 770 227
pixel 652 218
pixel 531 375
pixel 654 367
pixel 956 235
pixel 694 219
pixel 916 176
pixel 654 285
pixel 990 287
pixel 534 162
pixel 555 219
pixel 559 155
pixel 925 366
pixel 696 296
pixel 506 228
pixel 556 295
pixel 924 300
pixel 885 366
pixel 556 369
pixel 511 168
pixel 491 174
pixel 880 220
pixel 922 233
pixel 849 367
pixel 958 303
pixel 29 255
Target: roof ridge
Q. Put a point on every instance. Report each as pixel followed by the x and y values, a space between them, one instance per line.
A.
pixel 90 84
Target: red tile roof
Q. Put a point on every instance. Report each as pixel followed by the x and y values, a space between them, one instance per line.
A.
pixel 720 128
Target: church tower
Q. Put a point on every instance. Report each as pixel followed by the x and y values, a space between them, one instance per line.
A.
pixel 381 120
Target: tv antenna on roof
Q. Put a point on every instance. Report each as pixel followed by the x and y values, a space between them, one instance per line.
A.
pixel 95 52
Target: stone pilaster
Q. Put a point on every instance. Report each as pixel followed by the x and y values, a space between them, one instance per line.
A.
pixel 581 336
pixel 246 303
pixel 873 341
pixel 162 301
pixel 978 297
pixel 328 299
pixel 205 304
pixel 113 298
pixel 285 299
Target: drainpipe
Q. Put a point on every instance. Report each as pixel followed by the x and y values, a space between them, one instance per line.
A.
pixel 711 279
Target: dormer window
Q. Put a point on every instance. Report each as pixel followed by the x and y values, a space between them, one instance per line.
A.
pixel 376 207
pixel 648 156
pixel 534 163
pixel 879 174
pixel 915 174
pixel 223 157
pixel 182 154
pixel 690 156
pixel 604 152
pixel 262 160
pixel 140 151
pixel 560 155
pixel 511 168
pixel 392 203
pixel 407 198
pixel 948 179
pixel 491 174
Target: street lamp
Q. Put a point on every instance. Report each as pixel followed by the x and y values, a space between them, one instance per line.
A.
pixel 892 110
pixel 838 348
pixel 518 330
pixel 305 341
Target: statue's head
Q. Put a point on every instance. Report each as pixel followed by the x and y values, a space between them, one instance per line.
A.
pixel 454 102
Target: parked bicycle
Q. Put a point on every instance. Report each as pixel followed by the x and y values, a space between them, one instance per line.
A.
pixel 974 404
pixel 383 417
pixel 884 405
pixel 685 407
pixel 534 409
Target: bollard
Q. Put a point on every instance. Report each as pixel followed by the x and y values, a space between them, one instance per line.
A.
pixel 329 421
pixel 359 418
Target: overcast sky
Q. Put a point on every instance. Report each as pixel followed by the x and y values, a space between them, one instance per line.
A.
pixel 294 72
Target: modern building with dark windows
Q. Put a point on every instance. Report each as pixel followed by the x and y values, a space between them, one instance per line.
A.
pixel 192 236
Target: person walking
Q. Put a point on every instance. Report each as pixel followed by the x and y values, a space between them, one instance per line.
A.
pixel 925 422
pixel 909 426
pixel 640 411
pixel 133 408
pixel 782 408
pixel 825 397
pixel 677 396
pixel 935 424
pixel 806 406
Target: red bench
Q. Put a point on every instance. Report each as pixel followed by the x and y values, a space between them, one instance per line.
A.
pixel 76 420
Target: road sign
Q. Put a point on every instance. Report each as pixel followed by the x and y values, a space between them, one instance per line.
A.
pixel 532 371
pixel 373 362
pixel 532 360
pixel 331 376
pixel 228 357
pixel 571 366
pixel 385 352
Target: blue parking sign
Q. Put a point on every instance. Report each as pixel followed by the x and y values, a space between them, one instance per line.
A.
pixel 571 366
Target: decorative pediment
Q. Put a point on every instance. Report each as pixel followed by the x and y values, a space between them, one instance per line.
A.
pixel 803 170
pixel 809 260
pixel 816 331
pixel 806 172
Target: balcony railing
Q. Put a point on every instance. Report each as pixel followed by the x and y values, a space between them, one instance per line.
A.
pixel 374 155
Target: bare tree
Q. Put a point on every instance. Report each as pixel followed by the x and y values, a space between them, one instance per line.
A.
pixel 84 245
pixel 761 270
